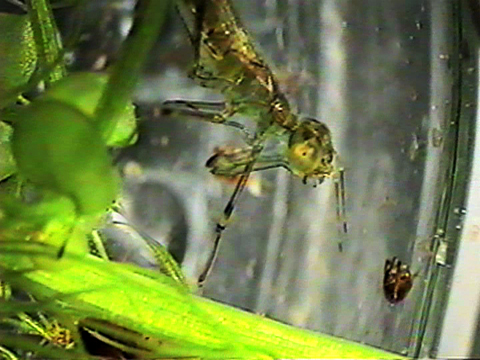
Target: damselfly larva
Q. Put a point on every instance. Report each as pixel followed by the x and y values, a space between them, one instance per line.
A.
pixel 226 60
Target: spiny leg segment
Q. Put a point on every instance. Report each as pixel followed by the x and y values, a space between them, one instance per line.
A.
pixel 218 113
pixel 340 205
pixel 227 213
pixel 213 112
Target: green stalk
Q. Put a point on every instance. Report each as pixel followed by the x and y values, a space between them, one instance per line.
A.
pixel 124 77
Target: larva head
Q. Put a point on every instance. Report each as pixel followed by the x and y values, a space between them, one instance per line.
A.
pixel 310 151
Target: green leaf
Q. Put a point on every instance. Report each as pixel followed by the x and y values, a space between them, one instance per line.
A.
pixel 7 162
pixel 17 55
pixel 47 39
pixel 171 321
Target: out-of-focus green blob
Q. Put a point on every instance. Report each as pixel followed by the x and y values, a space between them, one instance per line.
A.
pixel 17 55
pixel 58 148
pixel 48 219
pixel 34 215
pixel 83 91
pixel 7 163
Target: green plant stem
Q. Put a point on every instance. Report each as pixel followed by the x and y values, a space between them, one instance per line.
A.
pixel 7 354
pixel 117 95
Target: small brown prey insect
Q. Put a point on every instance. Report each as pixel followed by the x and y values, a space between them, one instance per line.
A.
pixel 397 280
pixel 226 60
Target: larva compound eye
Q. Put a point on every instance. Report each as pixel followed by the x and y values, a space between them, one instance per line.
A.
pixel 310 150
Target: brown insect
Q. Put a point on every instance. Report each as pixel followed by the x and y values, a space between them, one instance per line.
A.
pixel 227 61
pixel 397 280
